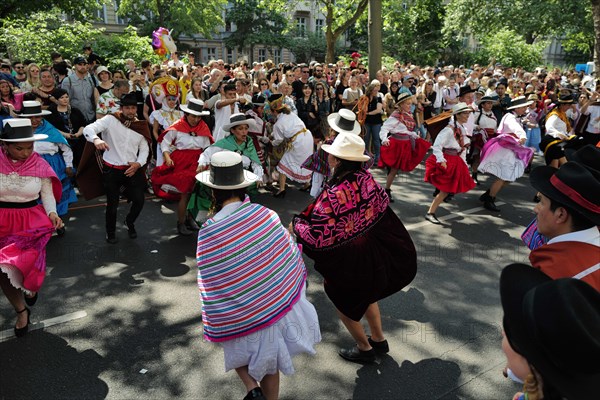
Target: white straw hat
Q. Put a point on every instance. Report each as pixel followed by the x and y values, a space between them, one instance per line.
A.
pixel 347 146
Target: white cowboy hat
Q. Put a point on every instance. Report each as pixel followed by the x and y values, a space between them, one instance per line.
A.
pixel 239 119
pixel 461 107
pixel 32 108
pixel 344 121
pixel 347 147
pixel 194 107
pixel 226 172
pixel 19 130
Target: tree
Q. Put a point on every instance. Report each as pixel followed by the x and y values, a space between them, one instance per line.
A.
pixel 255 25
pixel 508 48
pixel 596 18
pixel 183 16
pixel 339 16
pixel 117 48
pixel 311 46
pixel 80 10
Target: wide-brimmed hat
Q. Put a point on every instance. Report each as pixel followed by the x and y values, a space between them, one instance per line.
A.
pixel 565 99
pixel 465 90
pixel 486 99
pixel 239 119
pixel 194 107
pixel 19 130
pixel 344 121
pixel 259 100
pixel 32 108
pixel 555 325
pixel 128 99
pixel 276 102
pixel 461 107
pixel 519 102
pixel 101 69
pixel 402 97
pixel 347 147
pixel 226 172
pixel 533 97
pixel 575 184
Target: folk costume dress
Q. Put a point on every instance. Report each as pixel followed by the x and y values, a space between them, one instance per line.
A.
pixel 406 149
pixel 165 116
pixel 484 130
pixel 290 130
pixel 26 229
pixel 450 146
pixel 557 124
pixel 503 156
pixel 252 278
pixel 319 165
pixel 359 245
pixel 188 143
pixel 57 152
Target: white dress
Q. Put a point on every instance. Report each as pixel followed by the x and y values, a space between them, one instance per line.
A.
pixel 271 349
pixel 286 127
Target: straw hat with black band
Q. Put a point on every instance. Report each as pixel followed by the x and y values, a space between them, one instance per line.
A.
pixel 32 108
pixel 519 102
pixel 344 121
pixel 18 131
pixel 194 107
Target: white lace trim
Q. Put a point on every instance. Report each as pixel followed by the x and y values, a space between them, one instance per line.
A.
pixel 15 277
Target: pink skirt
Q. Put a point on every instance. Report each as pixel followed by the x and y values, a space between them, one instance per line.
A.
pixel 455 178
pixel 24 233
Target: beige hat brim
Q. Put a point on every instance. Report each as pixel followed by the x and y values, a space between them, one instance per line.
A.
pixel 328 149
pixel 249 179
pixel 34 138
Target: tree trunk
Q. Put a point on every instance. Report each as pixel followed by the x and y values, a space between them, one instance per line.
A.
pixel 331 39
pixel 596 17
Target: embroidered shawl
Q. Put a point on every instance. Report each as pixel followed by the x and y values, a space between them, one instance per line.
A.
pixel 342 212
pixel 182 125
pixel 250 272
pixel 406 118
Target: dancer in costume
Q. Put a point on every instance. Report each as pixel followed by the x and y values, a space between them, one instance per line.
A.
pixel 505 156
pixel 181 145
pixel 559 132
pixel 26 225
pixel 402 148
pixel 261 318
pixel 483 130
pixel 359 245
pixel 446 168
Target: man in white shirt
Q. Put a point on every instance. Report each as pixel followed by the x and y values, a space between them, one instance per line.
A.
pixel 175 61
pixel 125 152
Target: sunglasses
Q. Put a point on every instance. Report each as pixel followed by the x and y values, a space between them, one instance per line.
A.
pixel 82 63
pixel 319 88
pixel 305 72
pixel 21 67
pixel 264 84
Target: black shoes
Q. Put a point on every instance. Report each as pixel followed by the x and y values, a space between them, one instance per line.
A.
pixel 449 197
pixel 356 355
pixel 474 176
pixel 432 218
pixel 255 394
pixel 183 230
pixel 111 238
pixel 131 230
pixel 379 347
pixel 389 193
pixel 488 201
pixel 30 301
pixel 280 195
pixel 20 332
pixel 435 192
pixel 61 231
pixel 191 224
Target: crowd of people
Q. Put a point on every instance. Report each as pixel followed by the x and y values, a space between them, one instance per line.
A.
pixel 212 137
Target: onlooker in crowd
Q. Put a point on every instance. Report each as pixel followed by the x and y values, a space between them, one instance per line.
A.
pixel 81 87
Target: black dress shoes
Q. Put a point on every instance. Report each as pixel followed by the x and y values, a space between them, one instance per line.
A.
pixel 30 301
pixel 432 218
pixel 389 193
pixel 379 347
pixel 20 332
pixel 111 238
pixel 255 394
pixel 131 230
pixel 356 355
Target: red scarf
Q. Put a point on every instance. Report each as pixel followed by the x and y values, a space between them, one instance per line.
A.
pixel 182 126
pixel 406 118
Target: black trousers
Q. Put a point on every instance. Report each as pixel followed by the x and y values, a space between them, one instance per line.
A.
pixel 135 186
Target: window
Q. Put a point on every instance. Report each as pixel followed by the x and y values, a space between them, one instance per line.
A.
pixel 319 23
pixel 262 55
pixel 120 20
pixel 211 54
pixel 229 56
pixel 277 56
pixel 101 14
pixel 301 26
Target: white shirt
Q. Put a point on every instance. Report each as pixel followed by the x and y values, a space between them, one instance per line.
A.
pixel 589 236
pixel 487 120
pixel 44 147
pixel 510 124
pixel 22 189
pixel 556 127
pixel 446 140
pixel 125 145
pixel 183 141
pixel 222 118
pixel 594 113
pixel 394 125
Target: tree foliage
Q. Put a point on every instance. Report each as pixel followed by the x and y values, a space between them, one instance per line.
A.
pixel 79 10
pixel 509 48
pixel 339 16
pixel 118 48
pixel 255 24
pixel 183 16
pixel 311 46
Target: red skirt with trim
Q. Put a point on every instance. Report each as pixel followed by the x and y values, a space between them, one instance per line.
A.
pixel 182 175
pixel 400 154
pixel 455 178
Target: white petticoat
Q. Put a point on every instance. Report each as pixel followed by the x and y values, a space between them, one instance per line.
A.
pixel 270 350
pixel 504 164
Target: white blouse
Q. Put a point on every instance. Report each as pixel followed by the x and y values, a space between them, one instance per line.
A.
pixel 183 141
pixel 446 140
pixel 44 147
pixel 22 189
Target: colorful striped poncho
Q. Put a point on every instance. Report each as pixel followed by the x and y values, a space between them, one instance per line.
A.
pixel 250 272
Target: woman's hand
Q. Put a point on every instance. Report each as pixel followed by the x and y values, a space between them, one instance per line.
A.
pixel 444 165
pixel 168 161
pixel 386 142
pixel 201 168
pixel 69 172
pixel 56 221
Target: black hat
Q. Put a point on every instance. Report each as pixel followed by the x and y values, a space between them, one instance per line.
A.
pixel 465 90
pixel 555 325
pixel 276 102
pixel 565 99
pixel 129 99
pixel 79 60
pixel 259 100
pixel 519 102
pixel 226 172
pixel 575 184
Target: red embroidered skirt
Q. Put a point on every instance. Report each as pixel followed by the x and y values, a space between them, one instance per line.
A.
pixel 400 154
pixel 182 175
pixel 455 178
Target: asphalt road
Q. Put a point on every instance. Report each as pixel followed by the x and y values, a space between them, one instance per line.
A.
pixel 123 321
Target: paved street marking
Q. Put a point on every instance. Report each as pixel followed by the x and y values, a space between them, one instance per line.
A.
pixel 448 217
pixel 10 333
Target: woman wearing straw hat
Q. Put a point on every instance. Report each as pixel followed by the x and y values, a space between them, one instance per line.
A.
pixel 483 130
pixel 290 132
pixel 559 132
pixel 446 168
pixel 181 145
pixel 359 245
pixel 26 225
pixel 56 151
pixel 262 317
pixel 402 149
pixel 505 156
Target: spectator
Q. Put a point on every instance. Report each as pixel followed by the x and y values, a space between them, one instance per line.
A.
pixel 81 87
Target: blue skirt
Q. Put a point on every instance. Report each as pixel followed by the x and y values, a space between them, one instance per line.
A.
pixel 534 137
pixel 57 163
